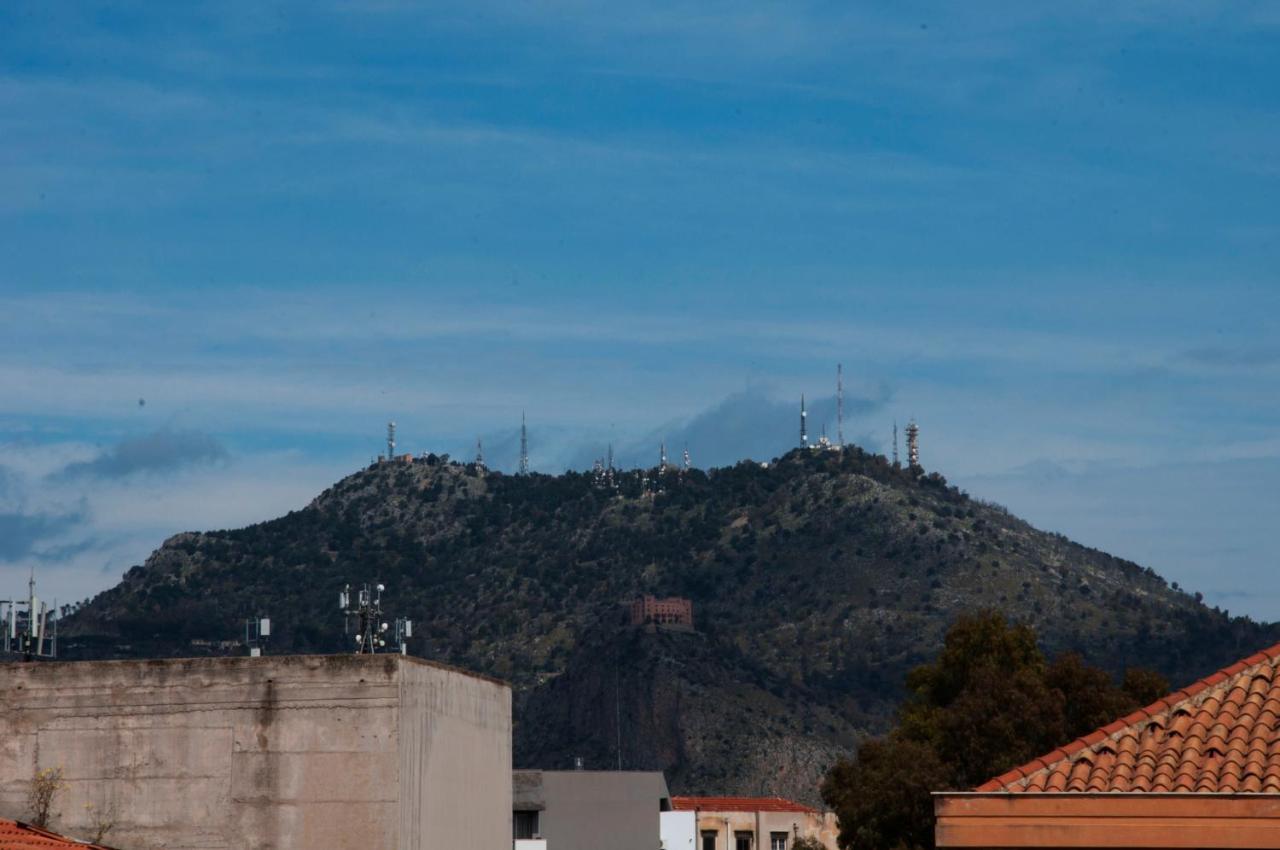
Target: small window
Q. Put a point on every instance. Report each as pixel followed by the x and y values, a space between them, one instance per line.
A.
pixel 708 840
pixel 777 841
pixel 525 824
pixel 742 841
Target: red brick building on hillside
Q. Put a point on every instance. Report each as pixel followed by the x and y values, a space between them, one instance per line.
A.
pixel 672 611
pixel 1199 768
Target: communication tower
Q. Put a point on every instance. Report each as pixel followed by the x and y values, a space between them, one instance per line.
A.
pixel 839 405
pixel 391 441
pixel 31 632
pixel 688 464
pixel 913 444
pixel 662 458
pixel 524 446
pixel 896 464
pixel 362 617
pixel 480 454
pixel 804 425
pixel 256 632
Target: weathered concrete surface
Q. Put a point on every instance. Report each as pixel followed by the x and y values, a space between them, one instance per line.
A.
pixel 328 752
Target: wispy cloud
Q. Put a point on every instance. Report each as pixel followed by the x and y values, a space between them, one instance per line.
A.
pixel 159 451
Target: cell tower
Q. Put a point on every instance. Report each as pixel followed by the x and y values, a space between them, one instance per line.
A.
pixel 804 425
pixel 896 464
pixel 662 458
pixel 366 617
pixel 840 405
pixel 29 633
pixel 256 632
pixel 688 464
pixel 524 446
pixel 609 459
pixel 391 441
pixel 913 444
pixel 480 453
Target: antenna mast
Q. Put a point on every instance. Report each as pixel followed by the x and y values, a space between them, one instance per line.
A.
pixel 28 633
pixel 391 441
pixel 840 405
pixel 662 458
pixel 913 444
pixel 804 425
pixel 480 453
pixel 524 446
pixel 366 614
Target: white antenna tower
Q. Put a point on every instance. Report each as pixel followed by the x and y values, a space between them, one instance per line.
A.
pixel 366 615
pixel 391 441
pixel 662 458
pixel 480 453
pixel 524 446
pixel 840 405
pixel 688 464
pixel 804 425
pixel 30 633
pixel 913 444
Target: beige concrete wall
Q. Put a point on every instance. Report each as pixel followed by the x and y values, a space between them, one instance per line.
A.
pixel 254 753
pixel 822 826
pixel 455 760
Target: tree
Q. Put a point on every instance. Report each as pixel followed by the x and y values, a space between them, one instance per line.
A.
pixel 989 702
pixel 45 785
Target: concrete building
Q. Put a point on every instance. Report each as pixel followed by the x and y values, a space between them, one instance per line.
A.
pixel 376 752
pixel 757 823
pixel 590 809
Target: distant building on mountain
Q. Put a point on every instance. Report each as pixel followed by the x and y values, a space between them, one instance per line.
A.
pixel 672 612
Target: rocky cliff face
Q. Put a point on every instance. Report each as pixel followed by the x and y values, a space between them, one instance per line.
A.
pixel 816 582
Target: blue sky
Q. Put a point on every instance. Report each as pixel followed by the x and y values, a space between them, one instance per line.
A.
pixel 1049 233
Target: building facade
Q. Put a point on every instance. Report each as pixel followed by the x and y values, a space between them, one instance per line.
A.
pixel 756 823
pixel 589 809
pixel 376 752
pixel 672 611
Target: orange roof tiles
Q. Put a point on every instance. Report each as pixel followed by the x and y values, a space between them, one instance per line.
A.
pixel 738 804
pixel 20 836
pixel 1221 734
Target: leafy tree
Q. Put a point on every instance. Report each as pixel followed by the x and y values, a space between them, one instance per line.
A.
pixel 989 702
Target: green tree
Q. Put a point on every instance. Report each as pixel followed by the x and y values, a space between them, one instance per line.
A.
pixel 989 702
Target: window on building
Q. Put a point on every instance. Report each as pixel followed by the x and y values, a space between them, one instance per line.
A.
pixel 742 841
pixel 708 840
pixel 777 841
pixel 525 824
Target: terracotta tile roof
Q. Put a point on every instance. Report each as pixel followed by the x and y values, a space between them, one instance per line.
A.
pixel 1221 734
pixel 738 804
pixel 15 835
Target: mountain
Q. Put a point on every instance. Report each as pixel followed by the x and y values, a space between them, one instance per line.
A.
pixel 817 581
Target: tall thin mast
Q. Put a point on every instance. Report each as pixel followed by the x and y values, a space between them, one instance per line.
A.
pixel 524 446
pixel 840 405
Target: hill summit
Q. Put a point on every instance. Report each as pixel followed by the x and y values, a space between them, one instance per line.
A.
pixel 816 581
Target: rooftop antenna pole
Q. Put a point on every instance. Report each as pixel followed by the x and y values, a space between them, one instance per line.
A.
pixel 524 446
pixel 391 441
pixel 840 405
pixel 804 425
